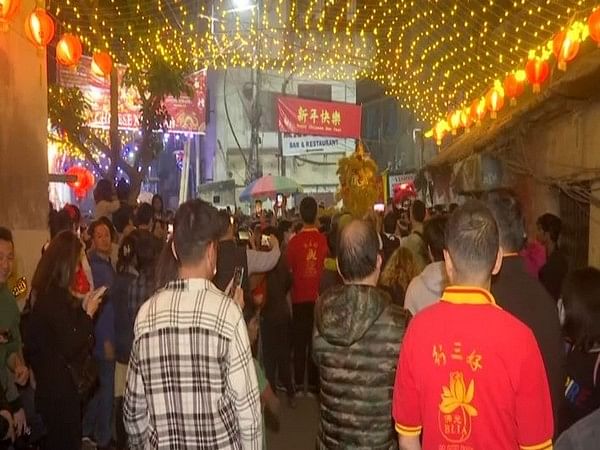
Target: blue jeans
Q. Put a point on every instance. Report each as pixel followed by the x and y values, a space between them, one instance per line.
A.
pixel 97 420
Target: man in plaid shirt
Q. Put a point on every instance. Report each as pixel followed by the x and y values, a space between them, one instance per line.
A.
pixel 191 382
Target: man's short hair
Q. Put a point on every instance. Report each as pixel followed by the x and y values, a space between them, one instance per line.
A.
pixel 389 223
pixel 144 214
pixel 102 221
pixel 357 250
pixel 506 209
pixel 6 235
pixel 308 210
pixel 418 211
pixel 123 189
pixel 434 234
pixel 472 240
pixel 196 226
pixel 551 224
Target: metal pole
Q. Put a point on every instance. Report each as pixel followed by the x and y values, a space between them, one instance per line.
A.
pixel 256 108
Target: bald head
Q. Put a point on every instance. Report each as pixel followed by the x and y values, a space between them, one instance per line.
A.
pixel 358 251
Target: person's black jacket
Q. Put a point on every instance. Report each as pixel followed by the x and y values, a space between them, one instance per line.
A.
pixel 59 332
pixel 517 292
pixel 553 273
pixel 279 282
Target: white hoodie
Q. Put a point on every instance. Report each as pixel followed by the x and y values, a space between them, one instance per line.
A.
pixel 427 288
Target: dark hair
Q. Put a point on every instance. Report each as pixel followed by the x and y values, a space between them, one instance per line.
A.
pixel 224 222
pixel 162 204
pixel 196 226
pixel 551 224
pixel 60 221
pixel 103 191
pixel 389 222
pixel 123 189
pixel 167 267
pixel 102 221
pixel 581 299
pixel 74 212
pixel 6 235
pixel 418 211
pixel 308 210
pixel 144 214
pixel 506 209
pixel 139 250
pixel 58 264
pixel 472 239
pixel 434 235
pixel 357 250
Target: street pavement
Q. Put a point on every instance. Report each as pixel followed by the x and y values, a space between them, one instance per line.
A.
pixel 298 427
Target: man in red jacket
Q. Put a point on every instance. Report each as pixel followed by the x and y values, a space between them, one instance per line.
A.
pixel 306 255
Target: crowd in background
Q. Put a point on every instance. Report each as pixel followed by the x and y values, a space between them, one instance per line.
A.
pixel 146 328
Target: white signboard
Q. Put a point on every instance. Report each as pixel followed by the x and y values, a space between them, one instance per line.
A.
pixel 301 145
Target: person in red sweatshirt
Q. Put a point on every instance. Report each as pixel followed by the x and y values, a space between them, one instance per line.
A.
pixel 306 255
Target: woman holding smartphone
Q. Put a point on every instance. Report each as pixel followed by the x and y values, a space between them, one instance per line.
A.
pixel 59 340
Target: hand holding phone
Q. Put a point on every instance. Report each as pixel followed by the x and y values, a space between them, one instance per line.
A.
pixel 92 301
pixel 234 289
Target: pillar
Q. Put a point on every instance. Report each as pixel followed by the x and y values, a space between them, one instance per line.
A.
pixel 23 148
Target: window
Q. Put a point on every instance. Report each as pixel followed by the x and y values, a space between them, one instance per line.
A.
pixel 315 91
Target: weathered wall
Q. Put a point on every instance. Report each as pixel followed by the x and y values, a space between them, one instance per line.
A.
pixel 566 146
pixel 23 151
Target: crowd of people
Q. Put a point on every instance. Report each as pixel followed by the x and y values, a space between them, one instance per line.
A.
pixel 413 328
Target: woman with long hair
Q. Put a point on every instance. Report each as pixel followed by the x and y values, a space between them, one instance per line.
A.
pixel 398 273
pixel 581 328
pixel 58 340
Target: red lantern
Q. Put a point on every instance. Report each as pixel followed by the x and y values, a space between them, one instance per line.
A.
pixel 84 182
pixel 494 101
pixel 39 28
pixel 440 130
pixel 478 110
pixel 454 121
pixel 69 50
pixel 514 86
pixel 8 9
pixel 537 71
pixel 594 26
pixel 465 118
pixel 102 64
pixel 565 47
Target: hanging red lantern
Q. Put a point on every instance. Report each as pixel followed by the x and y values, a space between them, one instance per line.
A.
pixel 594 26
pixel 440 130
pixel 454 121
pixel 478 110
pixel 84 182
pixel 465 118
pixel 514 85
pixel 537 71
pixel 8 9
pixel 494 100
pixel 565 47
pixel 102 64
pixel 69 50
pixel 39 28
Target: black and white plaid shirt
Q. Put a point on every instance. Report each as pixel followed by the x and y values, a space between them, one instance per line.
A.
pixel 191 381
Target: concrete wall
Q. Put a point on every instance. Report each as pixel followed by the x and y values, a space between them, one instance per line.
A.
pixel 23 151
pixel 566 146
pixel 228 159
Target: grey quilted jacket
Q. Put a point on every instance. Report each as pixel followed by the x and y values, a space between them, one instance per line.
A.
pixel 357 338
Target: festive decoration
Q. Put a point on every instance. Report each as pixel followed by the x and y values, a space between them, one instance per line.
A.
pixel 440 130
pixel 594 26
pixel 102 64
pixel 454 121
pixel 359 187
pixel 565 48
pixel 403 192
pixel 537 71
pixel 69 50
pixel 514 85
pixel 39 28
pixel 478 110
pixel 8 9
pixel 495 99
pixel 85 181
pixel 465 118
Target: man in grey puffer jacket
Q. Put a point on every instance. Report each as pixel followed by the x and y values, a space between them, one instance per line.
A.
pixel 427 288
pixel 356 343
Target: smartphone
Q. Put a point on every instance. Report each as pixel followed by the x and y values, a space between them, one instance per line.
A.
pixel 265 241
pixel 244 235
pixel 379 207
pixel 99 293
pixel 238 277
pixel 279 200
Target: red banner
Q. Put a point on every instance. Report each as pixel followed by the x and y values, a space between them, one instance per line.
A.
pixel 332 119
pixel 187 113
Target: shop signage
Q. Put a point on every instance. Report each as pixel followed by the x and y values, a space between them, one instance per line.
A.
pixel 298 145
pixel 316 118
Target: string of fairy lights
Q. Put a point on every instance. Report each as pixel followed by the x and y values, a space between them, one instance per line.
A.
pixel 435 56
